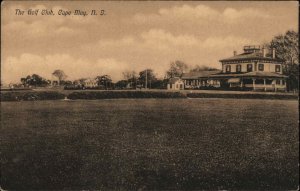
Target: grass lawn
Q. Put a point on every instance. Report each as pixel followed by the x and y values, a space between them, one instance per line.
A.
pixel 151 144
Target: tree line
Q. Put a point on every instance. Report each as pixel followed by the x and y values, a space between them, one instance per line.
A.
pixel 131 79
pixel 286 45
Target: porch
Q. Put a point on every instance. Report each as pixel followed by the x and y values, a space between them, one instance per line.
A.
pixel 258 84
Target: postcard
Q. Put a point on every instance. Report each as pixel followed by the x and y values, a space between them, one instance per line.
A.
pixel 149 95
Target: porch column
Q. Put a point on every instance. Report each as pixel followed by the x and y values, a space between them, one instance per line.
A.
pixel 285 89
pixel 242 83
pixel 265 84
pixel 253 80
pixel 275 86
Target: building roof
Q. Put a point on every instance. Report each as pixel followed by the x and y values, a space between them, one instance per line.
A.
pixel 200 74
pixel 89 80
pixel 250 56
pixel 251 74
pixel 174 80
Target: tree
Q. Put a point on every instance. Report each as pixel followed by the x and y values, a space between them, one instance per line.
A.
pixel 131 78
pixel 287 49
pixel 147 77
pixel 34 80
pixel 121 84
pixel 66 83
pixel 198 68
pixel 23 81
pixel 79 83
pixel 176 69
pixel 160 84
pixel 60 75
pixel 105 81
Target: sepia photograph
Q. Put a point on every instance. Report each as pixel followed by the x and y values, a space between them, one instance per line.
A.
pixel 149 95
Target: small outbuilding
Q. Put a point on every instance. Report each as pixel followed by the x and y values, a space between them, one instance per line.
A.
pixel 175 84
pixel 90 83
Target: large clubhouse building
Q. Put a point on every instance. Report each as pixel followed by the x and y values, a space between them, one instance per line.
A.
pixel 254 69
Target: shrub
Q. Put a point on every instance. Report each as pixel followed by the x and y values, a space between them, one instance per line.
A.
pixel 124 94
pixel 30 96
pixel 242 96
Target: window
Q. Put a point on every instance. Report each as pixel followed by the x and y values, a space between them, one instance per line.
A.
pixel 277 68
pixel 228 68
pixel 261 67
pixel 268 81
pixel 278 82
pixel 238 68
pixel 259 81
pixel 249 67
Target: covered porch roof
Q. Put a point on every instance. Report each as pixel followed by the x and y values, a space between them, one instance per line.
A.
pixel 249 74
pixel 234 80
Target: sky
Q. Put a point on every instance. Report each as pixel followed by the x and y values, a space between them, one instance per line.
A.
pixel 133 35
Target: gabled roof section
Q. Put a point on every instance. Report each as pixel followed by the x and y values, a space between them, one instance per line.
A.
pixel 90 80
pixel 250 56
pixel 200 74
pixel 173 80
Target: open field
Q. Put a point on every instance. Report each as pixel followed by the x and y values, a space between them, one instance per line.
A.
pixel 132 144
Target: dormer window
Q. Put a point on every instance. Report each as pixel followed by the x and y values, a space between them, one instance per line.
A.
pixel 238 68
pixel 249 67
pixel 261 67
pixel 228 68
pixel 277 68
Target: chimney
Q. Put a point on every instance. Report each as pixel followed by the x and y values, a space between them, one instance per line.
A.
pixel 234 53
pixel 264 51
pixel 273 52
